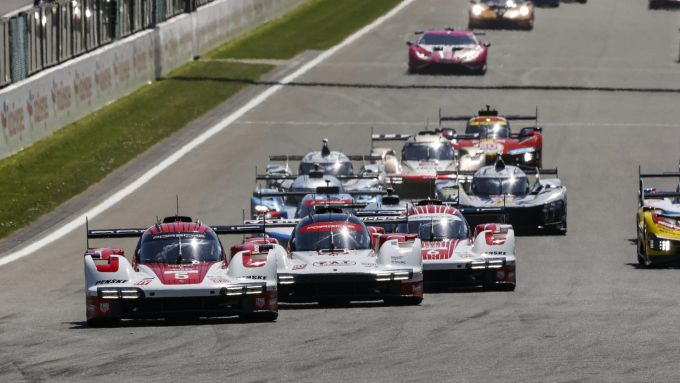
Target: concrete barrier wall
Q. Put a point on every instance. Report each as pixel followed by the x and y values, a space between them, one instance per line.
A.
pixel 37 107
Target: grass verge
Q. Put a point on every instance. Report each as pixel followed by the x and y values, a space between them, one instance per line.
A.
pixel 317 24
pixel 55 169
pixel 39 178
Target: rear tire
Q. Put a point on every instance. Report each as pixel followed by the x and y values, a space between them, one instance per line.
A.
pixel 260 316
pixel 501 287
pixel 404 301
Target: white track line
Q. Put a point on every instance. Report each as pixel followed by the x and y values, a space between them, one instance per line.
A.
pixel 220 126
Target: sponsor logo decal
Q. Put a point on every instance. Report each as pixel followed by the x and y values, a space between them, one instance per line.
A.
pixel 144 282
pixel 334 263
pixel 299 267
pixel 259 277
pixel 259 302
pixel 110 281
pixel 104 307
pixel 219 279
pixel 331 226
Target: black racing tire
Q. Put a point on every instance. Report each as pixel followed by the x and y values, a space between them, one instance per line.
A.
pixel 412 70
pixel 404 301
pixel 653 4
pixel 259 316
pixel 102 322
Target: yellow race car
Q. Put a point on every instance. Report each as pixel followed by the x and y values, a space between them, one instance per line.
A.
pixel 501 13
pixel 658 223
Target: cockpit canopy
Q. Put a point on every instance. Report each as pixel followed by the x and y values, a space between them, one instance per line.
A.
pixel 493 128
pixel 436 229
pixel 330 232
pixel 427 151
pixel 179 248
pixel 501 185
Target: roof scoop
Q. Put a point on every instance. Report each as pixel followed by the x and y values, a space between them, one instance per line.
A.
pixel 325 151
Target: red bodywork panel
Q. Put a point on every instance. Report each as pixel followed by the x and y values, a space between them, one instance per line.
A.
pixel 103 260
pixel 180 274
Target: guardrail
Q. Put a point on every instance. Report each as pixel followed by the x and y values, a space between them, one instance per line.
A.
pixel 50 34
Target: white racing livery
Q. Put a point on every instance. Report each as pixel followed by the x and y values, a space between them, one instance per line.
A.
pixel 332 260
pixel 179 269
pixel 454 254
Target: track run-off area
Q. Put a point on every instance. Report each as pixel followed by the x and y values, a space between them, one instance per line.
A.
pixel 603 77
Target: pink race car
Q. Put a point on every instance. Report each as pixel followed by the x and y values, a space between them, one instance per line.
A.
pixel 447 49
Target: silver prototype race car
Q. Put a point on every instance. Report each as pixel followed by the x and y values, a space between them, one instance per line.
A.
pixel 541 206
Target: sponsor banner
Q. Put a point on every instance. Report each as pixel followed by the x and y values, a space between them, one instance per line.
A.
pixel 42 104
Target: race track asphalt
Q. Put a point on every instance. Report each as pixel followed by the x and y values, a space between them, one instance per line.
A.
pixel 8 6
pixel 582 311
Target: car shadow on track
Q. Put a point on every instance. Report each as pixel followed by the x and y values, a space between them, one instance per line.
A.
pixel 82 325
pixel 445 72
pixel 317 306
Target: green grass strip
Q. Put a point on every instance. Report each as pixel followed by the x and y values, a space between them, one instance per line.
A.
pixel 39 178
pixel 317 24
pixel 53 170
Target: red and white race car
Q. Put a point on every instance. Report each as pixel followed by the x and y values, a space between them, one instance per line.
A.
pixel 488 135
pixel 453 254
pixel 441 49
pixel 179 269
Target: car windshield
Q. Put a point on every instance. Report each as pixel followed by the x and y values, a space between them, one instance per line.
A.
pixel 495 2
pixel 426 152
pixel 435 229
pixel 491 130
pixel 331 168
pixel 177 248
pixel 446 39
pixel 308 206
pixel 332 235
pixel 498 186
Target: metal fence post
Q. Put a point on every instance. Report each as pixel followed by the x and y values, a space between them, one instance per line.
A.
pixel 19 68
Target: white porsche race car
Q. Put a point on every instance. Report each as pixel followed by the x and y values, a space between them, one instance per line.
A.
pixel 179 269
pixel 332 261
pixel 453 254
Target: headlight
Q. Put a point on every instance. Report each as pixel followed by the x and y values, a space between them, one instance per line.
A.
pixel 528 157
pixel 469 55
pixel 660 244
pixel 120 293
pixel 422 55
pixel 510 4
pixel 477 9
pixel 524 10
pixel 517 152
pixel 553 211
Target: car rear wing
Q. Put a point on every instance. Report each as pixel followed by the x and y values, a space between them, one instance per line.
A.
pixel 351 157
pixel 489 112
pixel 481 215
pixel 279 177
pixel 642 194
pixel 304 193
pixel 390 137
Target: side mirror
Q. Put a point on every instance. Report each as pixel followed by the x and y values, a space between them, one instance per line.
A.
pixel 486 44
pixel 525 132
pixel 409 43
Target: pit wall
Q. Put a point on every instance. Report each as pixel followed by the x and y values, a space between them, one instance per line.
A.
pixel 40 105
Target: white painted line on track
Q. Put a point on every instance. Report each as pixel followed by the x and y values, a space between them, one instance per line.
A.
pixel 205 136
